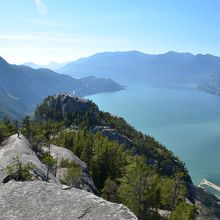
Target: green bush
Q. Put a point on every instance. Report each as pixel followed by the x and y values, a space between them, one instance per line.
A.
pixel 20 171
pixel 73 176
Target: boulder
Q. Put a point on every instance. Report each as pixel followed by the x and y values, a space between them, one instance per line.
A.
pixel 42 200
pixel 19 147
pixel 60 153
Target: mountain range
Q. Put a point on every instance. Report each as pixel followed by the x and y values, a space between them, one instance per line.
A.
pixel 202 71
pixel 22 87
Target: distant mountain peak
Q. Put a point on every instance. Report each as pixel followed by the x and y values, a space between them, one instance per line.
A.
pixel 178 53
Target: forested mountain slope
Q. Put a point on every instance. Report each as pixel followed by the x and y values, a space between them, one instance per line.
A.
pixel 126 166
pixel 22 87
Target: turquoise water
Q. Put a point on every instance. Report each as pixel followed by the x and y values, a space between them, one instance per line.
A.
pixel 187 121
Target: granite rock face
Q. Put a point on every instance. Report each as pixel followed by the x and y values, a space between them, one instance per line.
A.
pixel 69 104
pixel 41 200
pixel 112 135
pixel 67 108
pixel 60 153
pixel 19 147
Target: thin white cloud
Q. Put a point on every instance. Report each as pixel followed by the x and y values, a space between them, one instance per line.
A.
pixel 42 8
pixel 58 37
pixel 61 34
pixel 48 23
pixel 15 37
pixel 11 49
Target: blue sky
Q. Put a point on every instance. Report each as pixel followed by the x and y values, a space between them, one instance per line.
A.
pixel 63 30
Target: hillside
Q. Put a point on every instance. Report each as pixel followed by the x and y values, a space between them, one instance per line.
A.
pixel 180 68
pixel 125 165
pixel 22 87
pixel 116 154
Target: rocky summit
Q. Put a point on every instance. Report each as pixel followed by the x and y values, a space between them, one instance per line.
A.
pixel 69 103
pixel 41 200
pixel 63 106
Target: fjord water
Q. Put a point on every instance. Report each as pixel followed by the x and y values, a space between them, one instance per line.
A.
pixel 186 121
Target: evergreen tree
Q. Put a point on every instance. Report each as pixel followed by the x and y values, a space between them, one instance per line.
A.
pixel 137 189
pixel 73 176
pixel 87 151
pixel 26 126
pixel 172 191
pixel 183 211
pixel 110 190
pixel 49 162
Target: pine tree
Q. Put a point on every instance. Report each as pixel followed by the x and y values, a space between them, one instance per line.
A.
pixel 27 126
pixel 49 162
pixel 136 189
pixel 110 190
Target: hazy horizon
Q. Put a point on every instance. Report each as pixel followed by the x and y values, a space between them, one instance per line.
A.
pixel 99 52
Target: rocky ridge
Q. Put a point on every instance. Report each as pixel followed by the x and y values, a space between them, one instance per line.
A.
pixel 106 126
pixel 19 147
pixel 37 199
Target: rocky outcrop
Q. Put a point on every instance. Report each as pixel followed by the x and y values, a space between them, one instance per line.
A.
pixel 164 214
pixel 66 107
pixel 19 147
pixel 70 104
pixel 112 135
pixel 60 153
pixel 41 200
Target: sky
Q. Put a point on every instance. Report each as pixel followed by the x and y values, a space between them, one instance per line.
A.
pixel 42 31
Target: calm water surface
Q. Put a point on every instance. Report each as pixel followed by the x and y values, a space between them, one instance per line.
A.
pixel 186 121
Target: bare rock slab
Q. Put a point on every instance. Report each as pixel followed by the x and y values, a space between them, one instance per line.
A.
pixel 41 200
